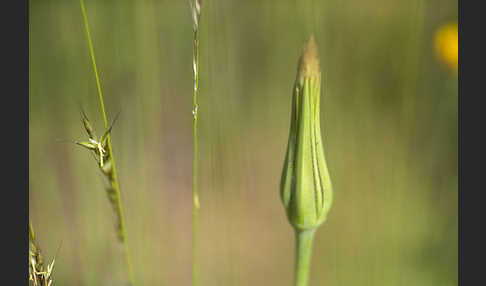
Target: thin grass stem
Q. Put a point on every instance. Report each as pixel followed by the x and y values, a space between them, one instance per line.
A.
pixel 196 13
pixel 115 183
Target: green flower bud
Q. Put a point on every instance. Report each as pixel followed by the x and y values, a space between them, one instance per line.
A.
pixel 305 187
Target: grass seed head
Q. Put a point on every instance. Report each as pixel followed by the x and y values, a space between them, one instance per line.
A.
pixel 38 274
pixel 99 148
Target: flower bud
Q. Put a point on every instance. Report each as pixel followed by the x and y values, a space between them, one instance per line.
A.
pixel 305 186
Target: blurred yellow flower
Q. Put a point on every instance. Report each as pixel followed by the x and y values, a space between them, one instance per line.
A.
pixel 446 44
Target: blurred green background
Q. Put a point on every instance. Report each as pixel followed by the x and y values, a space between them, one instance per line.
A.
pixel 389 120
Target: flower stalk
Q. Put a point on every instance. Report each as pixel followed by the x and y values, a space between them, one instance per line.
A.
pixel 303 254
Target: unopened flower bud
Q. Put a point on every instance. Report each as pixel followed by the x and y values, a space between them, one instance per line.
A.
pixel 305 187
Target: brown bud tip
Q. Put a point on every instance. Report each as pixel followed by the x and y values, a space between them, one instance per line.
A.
pixel 309 60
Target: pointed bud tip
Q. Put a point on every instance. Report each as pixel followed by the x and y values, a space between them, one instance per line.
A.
pixel 309 60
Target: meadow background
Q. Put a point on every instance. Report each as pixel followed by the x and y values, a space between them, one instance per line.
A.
pixel 389 120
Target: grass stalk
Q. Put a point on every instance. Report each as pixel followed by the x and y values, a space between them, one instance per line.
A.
pixel 196 14
pixel 114 181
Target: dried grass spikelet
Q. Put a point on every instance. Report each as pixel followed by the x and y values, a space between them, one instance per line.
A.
pixel 39 275
pixel 99 148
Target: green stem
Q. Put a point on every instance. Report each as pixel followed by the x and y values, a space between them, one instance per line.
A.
pixel 195 155
pixel 303 256
pixel 115 184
